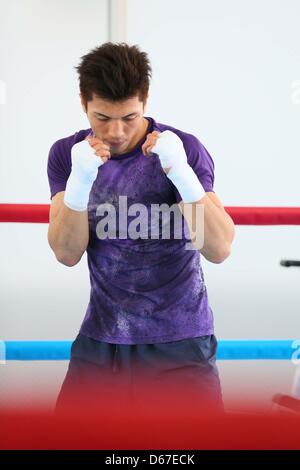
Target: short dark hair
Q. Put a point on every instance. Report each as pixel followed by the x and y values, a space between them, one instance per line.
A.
pixel 114 71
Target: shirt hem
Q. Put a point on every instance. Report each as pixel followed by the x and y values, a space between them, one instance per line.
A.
pixel 150 340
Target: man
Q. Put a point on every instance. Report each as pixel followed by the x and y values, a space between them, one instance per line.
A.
pixel 148 314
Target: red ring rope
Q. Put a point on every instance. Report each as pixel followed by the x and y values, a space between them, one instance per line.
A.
pixel 39 213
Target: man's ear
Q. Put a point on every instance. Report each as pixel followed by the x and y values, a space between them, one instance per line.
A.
pixel 145 105
pixel 83 105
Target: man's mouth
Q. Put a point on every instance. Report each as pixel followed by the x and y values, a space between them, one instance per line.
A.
pixel 116 142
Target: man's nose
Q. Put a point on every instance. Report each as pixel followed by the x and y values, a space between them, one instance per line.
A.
pixel 116 128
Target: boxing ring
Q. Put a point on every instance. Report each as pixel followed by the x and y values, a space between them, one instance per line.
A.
pixel 233 431
pixel 227 349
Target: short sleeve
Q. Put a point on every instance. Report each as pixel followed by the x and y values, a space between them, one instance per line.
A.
pixel 58 167
pixel 201 162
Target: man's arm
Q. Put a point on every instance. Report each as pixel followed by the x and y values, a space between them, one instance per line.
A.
pixel 68 232
pixel 219 229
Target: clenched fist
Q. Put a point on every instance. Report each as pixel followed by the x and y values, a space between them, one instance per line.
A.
pixel 87 156
pixel 170 150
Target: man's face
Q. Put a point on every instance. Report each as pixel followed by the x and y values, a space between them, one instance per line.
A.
pixel 120 125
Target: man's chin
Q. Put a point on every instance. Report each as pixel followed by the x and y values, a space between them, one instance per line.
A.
pixel 118 149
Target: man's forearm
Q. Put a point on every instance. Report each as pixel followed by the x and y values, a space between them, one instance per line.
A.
pixel 218 229
pixel 68 235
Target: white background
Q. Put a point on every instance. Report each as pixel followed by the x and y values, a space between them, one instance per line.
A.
pixel 228 72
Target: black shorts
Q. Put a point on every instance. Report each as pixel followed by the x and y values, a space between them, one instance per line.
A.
pixel 185 368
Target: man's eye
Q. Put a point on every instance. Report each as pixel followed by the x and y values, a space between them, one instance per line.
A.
pixel 124 119
pixel 129 118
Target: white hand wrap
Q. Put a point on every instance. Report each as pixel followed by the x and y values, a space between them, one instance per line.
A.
pixel 170 150
pixel 85 166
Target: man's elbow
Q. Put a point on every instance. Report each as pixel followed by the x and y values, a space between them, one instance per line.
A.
pixel 223 255
pixel 67 261
pixel 217 257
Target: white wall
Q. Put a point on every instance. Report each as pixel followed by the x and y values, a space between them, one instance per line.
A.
pixel 225 71
pixel 40 44
pixel 228 72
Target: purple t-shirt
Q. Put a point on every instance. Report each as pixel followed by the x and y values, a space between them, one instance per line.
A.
pixel 143 290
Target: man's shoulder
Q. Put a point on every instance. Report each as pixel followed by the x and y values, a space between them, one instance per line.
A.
pixel 60 151
pixel 188 139
pixel 66 143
